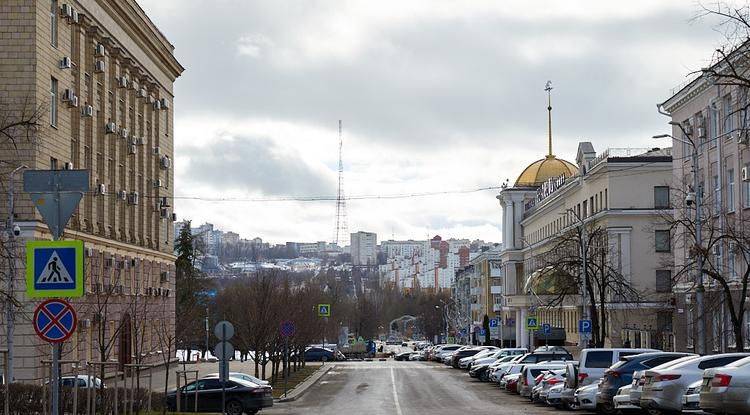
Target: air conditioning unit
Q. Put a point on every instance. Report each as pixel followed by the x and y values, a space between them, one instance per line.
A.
pixel 122 82
pixel 149 290
pixel 157 183
pixel 99 66
pixel 68 165
pixel 139 141
pixel 158 292
pixel 68 94
pixel 133 198
pixel 65 63
pixel 164 201
pixel 89 252
pixel 110 128
pixel 101 189
pixel 688 128
pixel 85 324
pixel 87 111
pixel 99 50
pixel 132 149
pixel 163 213
pixel 174 217
pixel 74 18
pixel 73 102
pixel 164 276
pixel 157 151
pixel 701 132
pixel 122 195
pixel 142 93
pixel 166 162
pixel 166 292
pixel 124 132
pixel 66 10
pixel 745 174
pixel 164 103
pixel 157 105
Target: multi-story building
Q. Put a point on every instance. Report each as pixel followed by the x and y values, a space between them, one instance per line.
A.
pixel 364 248
pixel 99 76
pixel 618 198
pixel 710 137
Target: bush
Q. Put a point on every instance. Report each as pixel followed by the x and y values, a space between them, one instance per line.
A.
pixel 30 399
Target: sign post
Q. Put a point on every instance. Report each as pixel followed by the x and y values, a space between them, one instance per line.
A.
pixel 224 330
pixel 287 330
pixel 55 321
pixel 324 310
pixel 584 329
pixel 546 329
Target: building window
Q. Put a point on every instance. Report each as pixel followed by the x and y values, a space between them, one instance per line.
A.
pixel 661 197
pixel 686 147
pixel 662 241
pixel 53 22
pixel 606 199
pixel 746 188
pixel 663 281
pixel 53 103
pixel 730 190
pixel 731 260
pixel 728 116
pixel 717 195
pixel 585 210
pixel 52 163
pixel 713 125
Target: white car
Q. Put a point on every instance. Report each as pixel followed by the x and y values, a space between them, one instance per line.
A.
pixel 585 397
pixel 621 401
pixel 554 395
pixel 499 368
pixel 243 376
pixel 595 361
pixel 692 398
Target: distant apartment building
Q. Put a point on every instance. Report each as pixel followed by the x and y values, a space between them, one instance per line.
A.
pixel 619 197
pixel 100 76
pixel 364 248
pixel 231 238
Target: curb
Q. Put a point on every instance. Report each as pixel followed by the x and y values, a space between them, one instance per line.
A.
pixel 300 389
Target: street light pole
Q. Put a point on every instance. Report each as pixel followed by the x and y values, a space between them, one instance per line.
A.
pixel 11 296
pixel 583 341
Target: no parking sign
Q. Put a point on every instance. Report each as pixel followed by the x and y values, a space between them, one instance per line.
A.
pixel 55 320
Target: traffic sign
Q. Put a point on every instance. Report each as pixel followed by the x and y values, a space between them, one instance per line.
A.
pixel 532 323
pixel 584 326
pixel 324 310
pixel 54 269
pixel 224 350
pixel 56 194
pixel 494 322
pixel 546 328
pixel 287 328
pixel 224 330
pixel 55 320
pixel 482 332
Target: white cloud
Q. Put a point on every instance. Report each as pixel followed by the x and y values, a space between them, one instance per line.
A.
pixel 252 45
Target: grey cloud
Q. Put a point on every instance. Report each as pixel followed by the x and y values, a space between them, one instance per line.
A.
pixel 254 164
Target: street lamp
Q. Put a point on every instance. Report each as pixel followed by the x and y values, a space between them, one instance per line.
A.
pixel 695 196
pixel 582 337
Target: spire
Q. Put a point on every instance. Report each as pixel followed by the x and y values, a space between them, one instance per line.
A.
pixel 548 88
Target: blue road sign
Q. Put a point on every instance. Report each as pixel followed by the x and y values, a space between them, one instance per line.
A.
pixel 54 268
pixel 546 328
pixel 494 322
pixel 463 332
pixel 324 310
pixel 532 323
pixel 287 328
pixel 482 332
pixel 55 320
pixel 584 326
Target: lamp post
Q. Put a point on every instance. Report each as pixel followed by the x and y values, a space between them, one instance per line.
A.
pixel 696 195
pixel 583 340
pixel 9 312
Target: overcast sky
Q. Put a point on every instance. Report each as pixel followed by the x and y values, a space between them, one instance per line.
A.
pixel 434 96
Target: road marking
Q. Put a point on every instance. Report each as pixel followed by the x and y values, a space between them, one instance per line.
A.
pixel 395 393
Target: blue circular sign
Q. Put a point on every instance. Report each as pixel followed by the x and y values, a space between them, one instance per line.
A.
pixel 287 328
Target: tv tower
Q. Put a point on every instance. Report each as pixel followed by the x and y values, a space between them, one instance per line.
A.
pixel 341 226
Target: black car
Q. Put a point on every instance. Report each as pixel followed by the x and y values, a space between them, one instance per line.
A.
pixel 403 355
pixel 319 354
pixel 241 396
pixel 463 353
pixel 621 374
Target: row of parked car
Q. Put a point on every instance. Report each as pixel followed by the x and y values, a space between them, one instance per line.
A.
pixel 609 380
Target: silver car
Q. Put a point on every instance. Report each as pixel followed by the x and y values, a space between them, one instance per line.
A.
pixel 727 389
pixel 663 388
pixel 691 398
pixel 621 401
pixel 639 378
pixel 585 397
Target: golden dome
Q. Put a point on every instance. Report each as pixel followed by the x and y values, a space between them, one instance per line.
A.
pixel 541 170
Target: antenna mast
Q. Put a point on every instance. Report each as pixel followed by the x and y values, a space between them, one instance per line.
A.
pixel 341 226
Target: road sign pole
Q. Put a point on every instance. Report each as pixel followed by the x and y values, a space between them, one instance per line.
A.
pixel 55 381
pixel 286 362
pixel 223 379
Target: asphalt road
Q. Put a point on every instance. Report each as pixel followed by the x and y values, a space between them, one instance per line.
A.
pixel 404 388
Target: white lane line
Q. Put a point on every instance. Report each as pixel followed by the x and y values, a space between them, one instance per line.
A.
pixel 395 393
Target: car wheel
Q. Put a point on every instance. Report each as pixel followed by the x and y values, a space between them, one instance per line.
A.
pixel 324 359
pixel 606 409
pixel 234 408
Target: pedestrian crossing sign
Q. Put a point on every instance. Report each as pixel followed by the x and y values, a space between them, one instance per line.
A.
pixel 54 269
pixel 324 310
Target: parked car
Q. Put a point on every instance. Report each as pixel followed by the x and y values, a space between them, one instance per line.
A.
pixel 585 397
pixel 594 361
pixel 464 352
pixel 319 354
pixel 404 355
pixel 567 395
pixel 621 401
pixel 241 396
pixel 415 356
pixel 726 389
pixel 663 388
pixel 81 381
pixel 444 350
pixel 530 373
pixel 691 398
pixel 466 362
pixel 243 376
pixel 550 379
pixel 639 378
pixel 480 368
pixel 510 382
pixel 621 374
pixel 498 369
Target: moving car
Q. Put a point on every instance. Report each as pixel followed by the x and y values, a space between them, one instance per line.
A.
pixel 726 389
pixel 621 374
pixel 241 396
pixel 319 354
pixel 664 388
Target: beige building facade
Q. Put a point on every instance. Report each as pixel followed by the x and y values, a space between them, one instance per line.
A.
pixel 622 195
pixel 99 75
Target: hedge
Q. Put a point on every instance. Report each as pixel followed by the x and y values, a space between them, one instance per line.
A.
pixel 26 399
